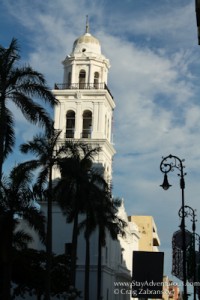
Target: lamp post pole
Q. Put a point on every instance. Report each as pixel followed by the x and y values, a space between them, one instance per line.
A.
pixel 197 266
pixel 169 163
pixel 189 211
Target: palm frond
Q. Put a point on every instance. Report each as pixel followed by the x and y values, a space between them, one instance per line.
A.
pixel 26 74
pixel 20 176
pixel 32 111
pixel 21 239
pixel 8 57
pixel 35 220
pixel 30 165
pixel 31 88
pixel 37 146
pixel 42 178
pixel 9 133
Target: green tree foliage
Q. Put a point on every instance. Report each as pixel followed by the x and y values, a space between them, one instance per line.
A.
pixel 108 224
pixel 82 190
pixel 16 205
pixel 47 152
pixel 29 274
pixel 72 189
pixel 19 84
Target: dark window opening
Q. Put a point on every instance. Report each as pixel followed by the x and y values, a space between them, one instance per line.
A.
pixel 70 124
pixel 82 76
pixel 96 80
pixel 69 79
pixel 87 124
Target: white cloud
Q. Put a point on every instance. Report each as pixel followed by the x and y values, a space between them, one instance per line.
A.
pixel 172 24
pixel 155 89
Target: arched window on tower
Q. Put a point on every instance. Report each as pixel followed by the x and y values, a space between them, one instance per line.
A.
pixel 108 129
pixel 87 124
pixel 69 81
pixel 105 129
pixel 82 76
pixel 96 80
pixel 70 124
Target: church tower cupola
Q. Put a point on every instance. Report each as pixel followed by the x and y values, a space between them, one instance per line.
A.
pixel 86 65
pixel 87 43
pixel 85 109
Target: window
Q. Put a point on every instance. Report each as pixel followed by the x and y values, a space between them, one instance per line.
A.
pixel 105 129
pixel 87 124
pixel 96 80
pixel 69 79
pixel 108 129
pixel 70 124
pixel 82 76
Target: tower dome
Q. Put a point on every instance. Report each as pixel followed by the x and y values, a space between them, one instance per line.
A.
pixel 87 43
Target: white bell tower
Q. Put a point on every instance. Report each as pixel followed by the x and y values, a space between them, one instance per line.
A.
pixel 85 108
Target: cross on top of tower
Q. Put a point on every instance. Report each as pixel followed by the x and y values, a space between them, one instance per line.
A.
pixel 87 42
pixel 87 25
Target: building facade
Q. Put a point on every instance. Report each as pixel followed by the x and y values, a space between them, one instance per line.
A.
pixel 171 290
pixel 85 109
pixel 149 239
pixel 85 113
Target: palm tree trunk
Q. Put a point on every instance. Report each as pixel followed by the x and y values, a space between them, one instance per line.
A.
pixel 74 250
pixel 87 268
pixel 49 238
pixel 7 257
pixel 99 267
pixel 7 274
pixel 38 295
pixel 2 131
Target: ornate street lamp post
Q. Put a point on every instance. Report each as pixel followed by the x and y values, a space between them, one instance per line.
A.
pixel 169 163
pixel 197 6
pixel 189 211
pixel 197 258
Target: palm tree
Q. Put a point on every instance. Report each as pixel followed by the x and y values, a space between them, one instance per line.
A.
pixel 19 85
pixel 90 225
pixel 97 190
pixel 16 205
pixel 45 148
pixel 108 223
pixel 100 212
pixel 72 189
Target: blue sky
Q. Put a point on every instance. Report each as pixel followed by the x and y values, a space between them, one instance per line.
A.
pixel 154 77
